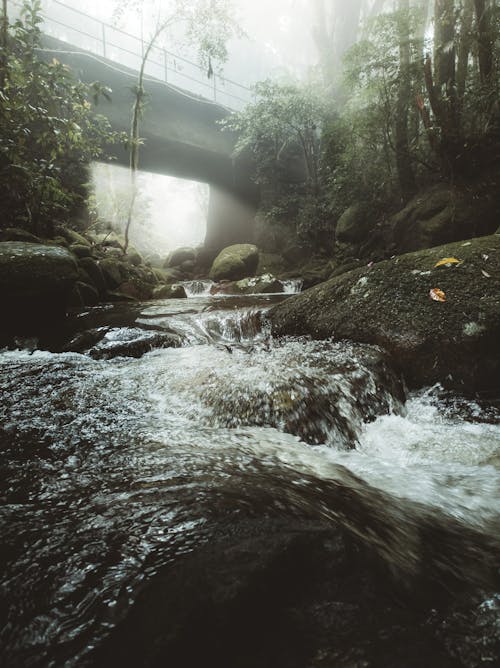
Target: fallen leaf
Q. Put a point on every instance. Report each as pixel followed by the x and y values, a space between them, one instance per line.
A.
pixel 437 295
pixel 448 261
pixel 485 257
pixel 467 243
pixel 485 273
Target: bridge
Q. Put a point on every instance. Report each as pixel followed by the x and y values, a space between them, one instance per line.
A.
pixel 179 126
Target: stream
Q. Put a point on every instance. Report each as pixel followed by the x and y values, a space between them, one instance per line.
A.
pixel 177 488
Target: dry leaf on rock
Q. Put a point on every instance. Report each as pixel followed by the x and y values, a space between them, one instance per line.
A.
pixel 437 295
pixel 448 261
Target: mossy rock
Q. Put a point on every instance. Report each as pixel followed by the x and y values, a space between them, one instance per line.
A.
pixel 441 215
pixel 18 234
pixel 92 268
pixel 235 262
pixel 80 250
pixel 454 342
pixel 72 237
pixel 353 225
pixel 36 282
pixel 179 256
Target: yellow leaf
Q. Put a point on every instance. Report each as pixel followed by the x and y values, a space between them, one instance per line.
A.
pixel 448 261
pixel 437 295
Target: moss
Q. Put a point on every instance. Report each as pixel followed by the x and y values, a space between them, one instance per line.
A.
pixel 389 304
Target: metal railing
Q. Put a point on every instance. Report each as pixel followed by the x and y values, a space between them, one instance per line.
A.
pixel 83 31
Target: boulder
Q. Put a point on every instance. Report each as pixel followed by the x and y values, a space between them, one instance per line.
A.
pixel 169 292
pixel 85 294
pixel 180 255
pixel 18 234
pixel 94 272
pixel 296 255
pixel 353 225
pixel 136 289
pixel 81 250
pixel 36 282
pixel 73 237
pixel 440 215
pixel 235 262
pixel 454 342
pixel 113 272
pixel 134 257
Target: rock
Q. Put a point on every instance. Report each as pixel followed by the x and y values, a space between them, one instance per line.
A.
pixel 267 284
pixel 73 237
pixel 87 293
pixel 108 239
pixel 187 266
pixel 235 262
pixel 180 255
pixel 95 273
pixel 169 292
pixel 125 342
pixel 80 250
pixel 136 289
pixel 455 342
pixel 112 272
pixel 36 281
pixel 270 263
pixel 353 225
pixel 438 216
pixel 296 255
pixel 134 258
pixel 18 234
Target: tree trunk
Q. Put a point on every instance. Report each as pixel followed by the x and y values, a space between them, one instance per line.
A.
pixel 485 38
pixel 464 46
pixel 4 39
pixel 403 158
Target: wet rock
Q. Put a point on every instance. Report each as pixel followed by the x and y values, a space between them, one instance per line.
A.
pixel 455 342
pixel 169 292
pixel 35 285
pixel 235 262
pixel 131 343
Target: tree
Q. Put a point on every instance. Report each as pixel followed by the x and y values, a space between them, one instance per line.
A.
pixel 48 132
pixel 402 148
pixel 285 119
pixel 208 25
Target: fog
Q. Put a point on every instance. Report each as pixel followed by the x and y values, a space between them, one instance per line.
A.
pixel 282 40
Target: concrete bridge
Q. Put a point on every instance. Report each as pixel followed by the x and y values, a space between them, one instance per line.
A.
pixel 180 128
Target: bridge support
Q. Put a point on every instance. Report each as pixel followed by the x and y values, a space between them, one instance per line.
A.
pixel 231 216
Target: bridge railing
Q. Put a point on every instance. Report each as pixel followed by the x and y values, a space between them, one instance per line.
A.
pixel 81 30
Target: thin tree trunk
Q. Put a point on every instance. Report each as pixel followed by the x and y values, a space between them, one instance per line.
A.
pixel 4 40
pixel 134 138
pixel 485 38
pixel 464 47
pixel 403 158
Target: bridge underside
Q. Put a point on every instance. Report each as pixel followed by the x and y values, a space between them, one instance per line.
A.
pixel 181 136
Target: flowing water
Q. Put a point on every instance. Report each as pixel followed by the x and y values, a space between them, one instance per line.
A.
pixel 278 493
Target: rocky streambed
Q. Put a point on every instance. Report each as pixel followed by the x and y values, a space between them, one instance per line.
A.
pixel 180 487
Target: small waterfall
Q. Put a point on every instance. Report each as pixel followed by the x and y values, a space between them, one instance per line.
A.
pixel 197 288
pixel 292 286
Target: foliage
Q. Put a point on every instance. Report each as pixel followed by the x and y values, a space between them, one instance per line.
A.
pixel 48 132
pixel 283 122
